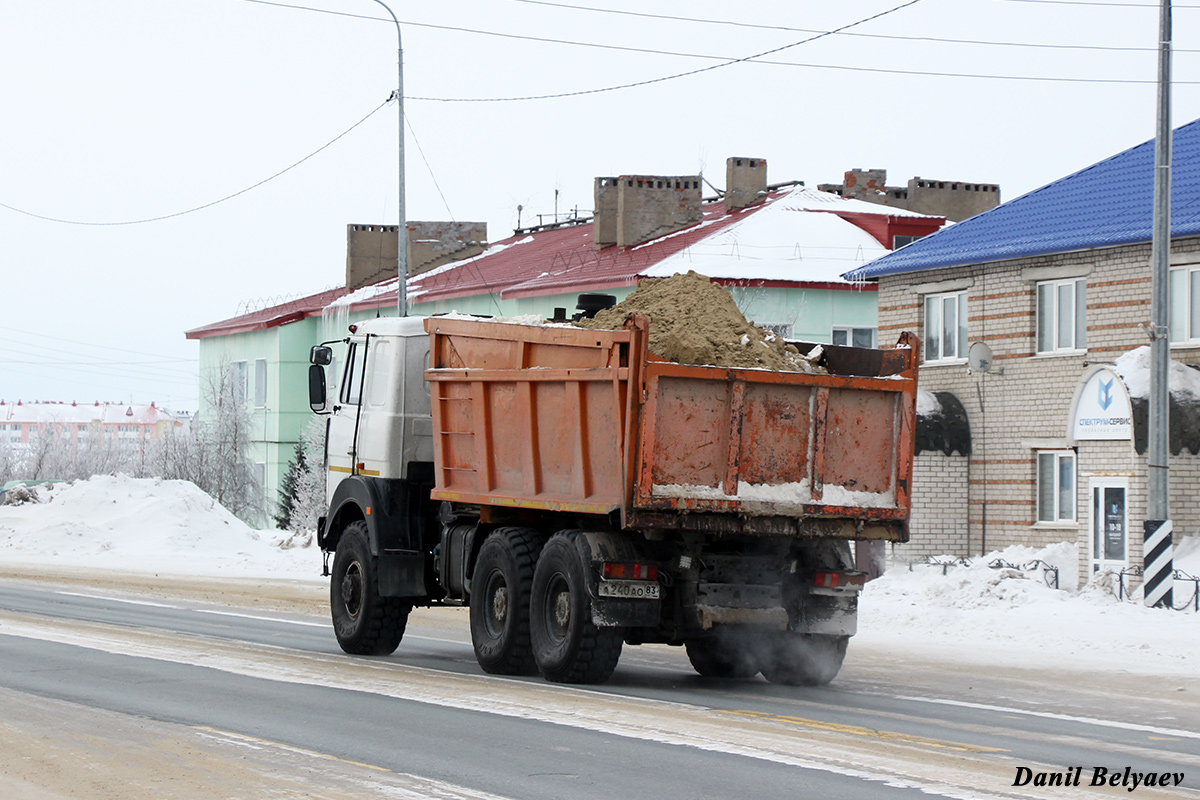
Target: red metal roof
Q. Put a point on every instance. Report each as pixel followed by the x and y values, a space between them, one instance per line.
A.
pixel 555 261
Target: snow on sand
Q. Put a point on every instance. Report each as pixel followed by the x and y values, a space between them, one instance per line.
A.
pixel 973 614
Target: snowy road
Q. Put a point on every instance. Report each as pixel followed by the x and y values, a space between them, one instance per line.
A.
pixel 108 693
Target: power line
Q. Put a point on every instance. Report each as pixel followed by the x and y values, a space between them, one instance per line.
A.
pixel 729 61
pixel 206 205
pixel 893 37
pixel 40 335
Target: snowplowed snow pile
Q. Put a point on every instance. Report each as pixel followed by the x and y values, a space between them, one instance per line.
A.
pixel 144 525
pixel 998 615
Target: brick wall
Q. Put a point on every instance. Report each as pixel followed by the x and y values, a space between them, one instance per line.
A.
pixel 938 525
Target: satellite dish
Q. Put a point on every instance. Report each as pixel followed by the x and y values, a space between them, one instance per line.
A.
pixel 979 357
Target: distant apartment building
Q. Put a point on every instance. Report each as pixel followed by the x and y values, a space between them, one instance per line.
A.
pixel 129 426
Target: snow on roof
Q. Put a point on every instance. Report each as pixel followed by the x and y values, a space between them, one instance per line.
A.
pixel 797 236
pixel 1134 369
pixel 84 413
pixel 780 243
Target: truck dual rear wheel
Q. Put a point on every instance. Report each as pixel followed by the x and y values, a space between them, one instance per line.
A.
pixel 500 589
pixel 567 646
pixel 723 654
pixel 802 659
pixel 365 623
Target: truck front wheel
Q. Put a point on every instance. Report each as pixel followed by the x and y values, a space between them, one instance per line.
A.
pixel 365 623
pixel 802 659
pixel 500 586
pixel 567 646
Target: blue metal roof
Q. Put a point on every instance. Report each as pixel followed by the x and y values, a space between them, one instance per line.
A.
pixel 1108 203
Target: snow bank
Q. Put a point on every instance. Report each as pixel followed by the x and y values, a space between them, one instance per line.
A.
pixel 139 525
pixel 978 614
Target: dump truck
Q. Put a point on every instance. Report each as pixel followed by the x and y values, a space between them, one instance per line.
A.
pixel 578 493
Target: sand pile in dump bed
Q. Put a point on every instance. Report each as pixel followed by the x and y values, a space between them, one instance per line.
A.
pixel 695 321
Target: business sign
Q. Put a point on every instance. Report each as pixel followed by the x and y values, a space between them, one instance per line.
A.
pixel 1102 409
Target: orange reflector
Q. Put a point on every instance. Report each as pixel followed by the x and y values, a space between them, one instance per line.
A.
pixel 368 511
pixel 833 580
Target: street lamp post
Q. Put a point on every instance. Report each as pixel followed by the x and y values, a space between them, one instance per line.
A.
pixel 402 232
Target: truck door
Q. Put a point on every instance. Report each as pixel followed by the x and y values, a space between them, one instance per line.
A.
pixel 343 416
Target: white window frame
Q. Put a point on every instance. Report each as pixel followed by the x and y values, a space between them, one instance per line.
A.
pixel 260 383
pixel 1055 488
pixel 848 334
pixel 1050 333
pixel 237 380
pixel 935 307
pixel 1184 304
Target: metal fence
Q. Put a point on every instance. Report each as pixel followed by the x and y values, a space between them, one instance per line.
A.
pixel 1178 576
pixel 1049 572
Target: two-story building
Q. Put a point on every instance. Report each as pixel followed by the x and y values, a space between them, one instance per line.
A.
pixel 1033 318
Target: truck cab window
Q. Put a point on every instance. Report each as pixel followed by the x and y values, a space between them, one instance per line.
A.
pixel 352 380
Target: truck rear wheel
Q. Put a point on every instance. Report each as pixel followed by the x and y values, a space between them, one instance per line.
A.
pixel 567 646
pixel 802 659
pixel 500 588
pixel 723 654
pixel 365 623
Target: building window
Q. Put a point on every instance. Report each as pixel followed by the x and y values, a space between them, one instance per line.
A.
pixel 1056 486
pixel 1184 304
pixel 946 327
pixel 237 381
pixel 900 241
pixel 854 337
pixel 1062 316
pixel 260 383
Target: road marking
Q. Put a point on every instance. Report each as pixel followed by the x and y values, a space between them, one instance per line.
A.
pixel 1104 723
pixel 856 730
pixel 110 599
pixel 261 618
pixel 241 737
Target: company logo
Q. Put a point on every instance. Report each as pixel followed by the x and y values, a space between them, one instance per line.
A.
pixel 1106 397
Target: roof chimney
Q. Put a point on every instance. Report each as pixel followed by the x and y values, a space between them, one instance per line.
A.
pixel 370 254
pixel 745 182
pixel 433 244
pixel 633 209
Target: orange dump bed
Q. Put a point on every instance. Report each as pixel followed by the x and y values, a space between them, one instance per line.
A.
pixel 568 419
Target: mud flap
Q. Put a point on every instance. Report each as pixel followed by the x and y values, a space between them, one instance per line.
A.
pixel 610 612
pixel 401 574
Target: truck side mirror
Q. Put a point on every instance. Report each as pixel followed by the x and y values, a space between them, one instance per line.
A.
pixel 316 387
pixel 321 355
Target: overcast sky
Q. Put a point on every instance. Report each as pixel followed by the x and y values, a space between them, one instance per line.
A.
pixel 117 111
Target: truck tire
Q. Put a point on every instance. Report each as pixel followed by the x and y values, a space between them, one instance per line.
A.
pixel 500 588
pixel 802 659
pixel 365 623
pixel 723 654
pixel 567 646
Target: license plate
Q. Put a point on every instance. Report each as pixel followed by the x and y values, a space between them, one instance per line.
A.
pixel 637 590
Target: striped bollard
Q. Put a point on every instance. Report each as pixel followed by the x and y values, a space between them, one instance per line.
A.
pixel 1157 567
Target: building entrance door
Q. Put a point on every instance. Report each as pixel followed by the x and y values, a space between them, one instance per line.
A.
pixel 1110 524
